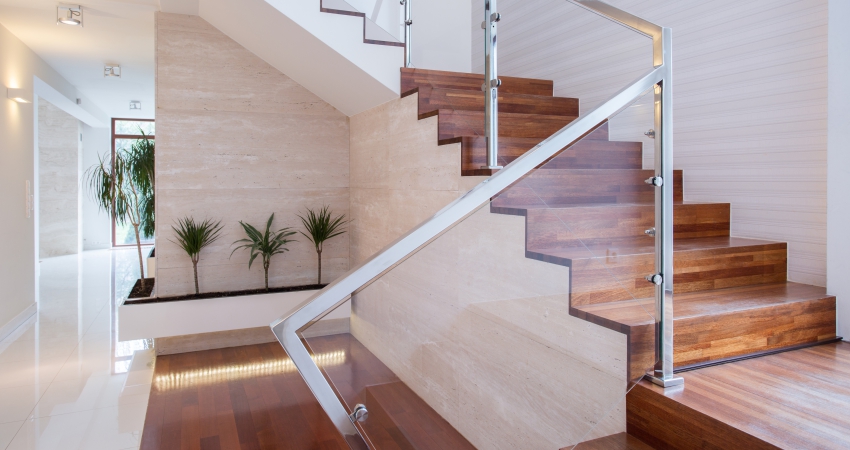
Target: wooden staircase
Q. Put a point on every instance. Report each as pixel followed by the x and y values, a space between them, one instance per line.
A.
pixel 733 299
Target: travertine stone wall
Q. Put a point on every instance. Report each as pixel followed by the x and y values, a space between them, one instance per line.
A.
pixel 59 181
pixel 479 331
pixel 238 140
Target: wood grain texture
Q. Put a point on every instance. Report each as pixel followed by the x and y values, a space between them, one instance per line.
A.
pixel 563 187
pixel 723 323
pixel 619 441
pixel 796 399
pixel 455 124
pixel 412 79
pixel 272 408
pixel 432 100
pixel 589 153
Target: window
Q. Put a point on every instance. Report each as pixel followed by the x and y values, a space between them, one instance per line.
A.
pixel 124 133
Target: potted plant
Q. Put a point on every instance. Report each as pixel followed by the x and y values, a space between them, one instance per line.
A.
pixel 321 227
pixel 266 244
pixel 193 236
pixel 124 189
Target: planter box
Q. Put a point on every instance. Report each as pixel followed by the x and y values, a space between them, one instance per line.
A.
pixel 216 315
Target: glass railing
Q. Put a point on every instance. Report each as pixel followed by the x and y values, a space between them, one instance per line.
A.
pixel 520 314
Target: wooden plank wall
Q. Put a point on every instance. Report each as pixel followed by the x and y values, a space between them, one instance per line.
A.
pixel 750 99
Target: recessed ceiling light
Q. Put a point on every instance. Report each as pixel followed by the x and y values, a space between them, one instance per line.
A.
pixel 112 71
pixel 69 15
pixel 135 105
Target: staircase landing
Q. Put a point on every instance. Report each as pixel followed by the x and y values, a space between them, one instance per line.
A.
pixel 795 399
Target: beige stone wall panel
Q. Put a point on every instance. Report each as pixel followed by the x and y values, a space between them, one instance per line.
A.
pixel 238 140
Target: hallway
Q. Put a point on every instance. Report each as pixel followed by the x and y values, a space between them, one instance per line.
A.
pixel 65 381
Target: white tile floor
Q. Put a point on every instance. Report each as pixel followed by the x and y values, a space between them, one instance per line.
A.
pixel 63 377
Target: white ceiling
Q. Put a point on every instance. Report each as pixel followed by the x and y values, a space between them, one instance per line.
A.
pixel 115 32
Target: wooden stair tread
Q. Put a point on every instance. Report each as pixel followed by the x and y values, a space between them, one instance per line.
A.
pixel 433 99
pixel 412 79
pixel 584 186
pixel 591 251
pixel 619 441
pixel 454 125
pixel 708 303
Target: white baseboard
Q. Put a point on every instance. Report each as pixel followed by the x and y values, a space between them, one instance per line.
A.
pixel 17 321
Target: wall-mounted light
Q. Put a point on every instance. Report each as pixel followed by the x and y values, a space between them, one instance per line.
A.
pixel 112 71
pixel 135 105
pixel 69 15
pixel 18 95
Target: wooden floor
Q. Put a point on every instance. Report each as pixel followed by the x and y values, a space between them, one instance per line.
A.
pixel 797 399
pixel 252 397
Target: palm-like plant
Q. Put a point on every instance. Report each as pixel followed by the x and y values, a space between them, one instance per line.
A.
pixel 114 186
pixel 321 227
pixel 193 236
pixel 266 244
pixel 141 160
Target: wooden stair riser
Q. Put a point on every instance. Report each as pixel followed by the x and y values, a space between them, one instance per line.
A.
pixel 453 125
pixel 665 424
pixel 432 100
pixel 613 277
pixel 586 154
pixel 553 188
pixel 412 79
pixel 618 225
pixel 719 336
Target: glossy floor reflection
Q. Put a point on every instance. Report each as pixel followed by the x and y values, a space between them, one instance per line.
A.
pixel 64 381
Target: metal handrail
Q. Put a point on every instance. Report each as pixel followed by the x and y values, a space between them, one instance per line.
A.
pixel 408 23
pixel 287 329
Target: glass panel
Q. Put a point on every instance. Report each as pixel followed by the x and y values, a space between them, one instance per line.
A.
pixel 134 126
pixel 124 233
pixel 522 326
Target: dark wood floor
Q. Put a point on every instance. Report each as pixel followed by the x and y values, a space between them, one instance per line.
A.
pixel 252 397
pixel 797 399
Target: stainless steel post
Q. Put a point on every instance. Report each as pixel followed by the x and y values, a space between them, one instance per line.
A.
pixel 491 85
pixel 663 373
pixel 407 32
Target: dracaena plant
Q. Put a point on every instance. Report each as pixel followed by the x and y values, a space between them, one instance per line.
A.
pixel 264 244
pixel 123 187
pixel 320 227
pixel 193 236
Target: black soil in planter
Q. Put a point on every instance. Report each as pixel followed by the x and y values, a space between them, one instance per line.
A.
pixel 138 292
pixel 203 295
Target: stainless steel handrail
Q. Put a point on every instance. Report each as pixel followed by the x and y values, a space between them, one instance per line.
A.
pixel 408 23
pixel 287 329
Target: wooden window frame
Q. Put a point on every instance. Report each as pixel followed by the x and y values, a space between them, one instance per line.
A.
pixel 112 161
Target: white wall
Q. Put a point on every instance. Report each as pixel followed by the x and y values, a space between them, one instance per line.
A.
pixel 441 35
pixel 97 228
pixel 838 163
pixel 18 66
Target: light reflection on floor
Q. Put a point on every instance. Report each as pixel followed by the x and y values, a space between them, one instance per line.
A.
pixel 64 381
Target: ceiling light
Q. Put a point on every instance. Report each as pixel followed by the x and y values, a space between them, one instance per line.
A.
pixel 69 15
pixel 18 95
pixel 112 71
pixel 135 105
